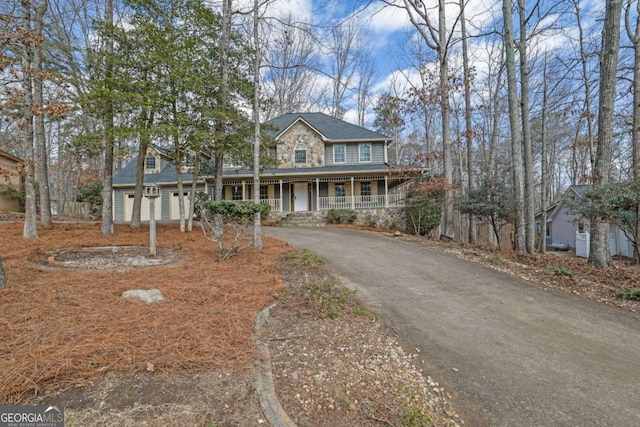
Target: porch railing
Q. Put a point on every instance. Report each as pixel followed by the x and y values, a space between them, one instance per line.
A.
pixel 348 202
pixel 359 202
pixel 273 203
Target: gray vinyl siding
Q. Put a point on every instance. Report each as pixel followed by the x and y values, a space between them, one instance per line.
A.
pixel 377 153
pixel 118 205
pixel 167 193
pixel 563 229
pixel 352 154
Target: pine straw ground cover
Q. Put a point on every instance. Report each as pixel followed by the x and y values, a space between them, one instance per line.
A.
pixel 62 328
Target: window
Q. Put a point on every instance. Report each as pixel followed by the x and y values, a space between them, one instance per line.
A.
pixel 365 189
pixel 365 152
pixel 264 192
pixel 150 162
pixel 339 153
pixel 340 191
pixel 236 193
pixel 548 229
pixel 301 154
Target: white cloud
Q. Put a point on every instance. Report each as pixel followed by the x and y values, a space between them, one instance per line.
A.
pixel 385 19
pixel 300 9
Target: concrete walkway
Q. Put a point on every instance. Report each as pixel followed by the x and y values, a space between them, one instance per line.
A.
pixel 511 354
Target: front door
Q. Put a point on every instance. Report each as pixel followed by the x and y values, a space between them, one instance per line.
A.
pixel 300 197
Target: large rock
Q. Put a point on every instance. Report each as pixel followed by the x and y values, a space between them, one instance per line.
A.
pixel 146 296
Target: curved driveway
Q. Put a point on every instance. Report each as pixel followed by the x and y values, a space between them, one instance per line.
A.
pixel 511 354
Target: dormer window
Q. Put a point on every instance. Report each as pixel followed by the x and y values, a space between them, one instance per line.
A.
pixel 150 162
pixel 301 154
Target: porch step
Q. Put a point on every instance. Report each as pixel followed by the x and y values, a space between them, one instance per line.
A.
pixel 303 219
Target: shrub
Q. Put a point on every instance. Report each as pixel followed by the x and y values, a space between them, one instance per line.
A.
pixel 225 223
pixel 341 216
pixel 423 205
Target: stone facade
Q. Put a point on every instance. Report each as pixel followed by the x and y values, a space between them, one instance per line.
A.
pixel 300 133
pixel 388 218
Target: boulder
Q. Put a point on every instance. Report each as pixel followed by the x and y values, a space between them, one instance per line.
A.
pixel 146 296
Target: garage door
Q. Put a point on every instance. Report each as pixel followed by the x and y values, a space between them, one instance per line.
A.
pixel 144 209
pixel 175 204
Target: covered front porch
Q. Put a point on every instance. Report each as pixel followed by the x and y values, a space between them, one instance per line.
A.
pixel 307 194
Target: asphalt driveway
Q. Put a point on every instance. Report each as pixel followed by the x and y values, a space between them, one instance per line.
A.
pixel 511 354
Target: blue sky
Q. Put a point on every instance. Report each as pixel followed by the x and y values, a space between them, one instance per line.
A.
pixel 388 32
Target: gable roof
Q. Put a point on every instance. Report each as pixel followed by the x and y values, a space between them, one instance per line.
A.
pixel 10 157
pixel 579 190
pixel 328 127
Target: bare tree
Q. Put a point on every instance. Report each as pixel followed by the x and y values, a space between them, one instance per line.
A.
pixel 365 74
pixel 291 57
pixel 468 129
pixel 599 249
pixel 588 113
pixel 437 38
pixel 345 52
pixel 527 150
pixel 514 121
pixel 30 223
pixel 42 170
pixel 634 36
pixel 544 166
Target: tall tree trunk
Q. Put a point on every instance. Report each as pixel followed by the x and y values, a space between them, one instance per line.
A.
pixel 473 234
pixel 177 151
pixel 3 276
pixel 634 36
pixel 30 230
pixel 42 171
pixel 514 121
pixel 542 246
pixel 447 161
pixel 587 88
pixel 224 95
pixel 194 188
pixel 257 226
pixel 599 252
pixel 109 146
pixel 529 206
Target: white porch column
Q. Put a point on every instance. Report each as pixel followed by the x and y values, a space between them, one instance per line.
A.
pixel 386 191
pixel 317 194
pixel 243 191
pixel 281 204
pixel 353 195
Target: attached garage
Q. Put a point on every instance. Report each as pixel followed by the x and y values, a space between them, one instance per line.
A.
pixel 174 204
pixel 144 209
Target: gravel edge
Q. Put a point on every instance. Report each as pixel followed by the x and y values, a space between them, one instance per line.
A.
pixel 269 400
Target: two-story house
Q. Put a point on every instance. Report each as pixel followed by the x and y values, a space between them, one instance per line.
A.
pixel 322 163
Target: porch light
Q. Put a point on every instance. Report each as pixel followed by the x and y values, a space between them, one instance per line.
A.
pixel 152 192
